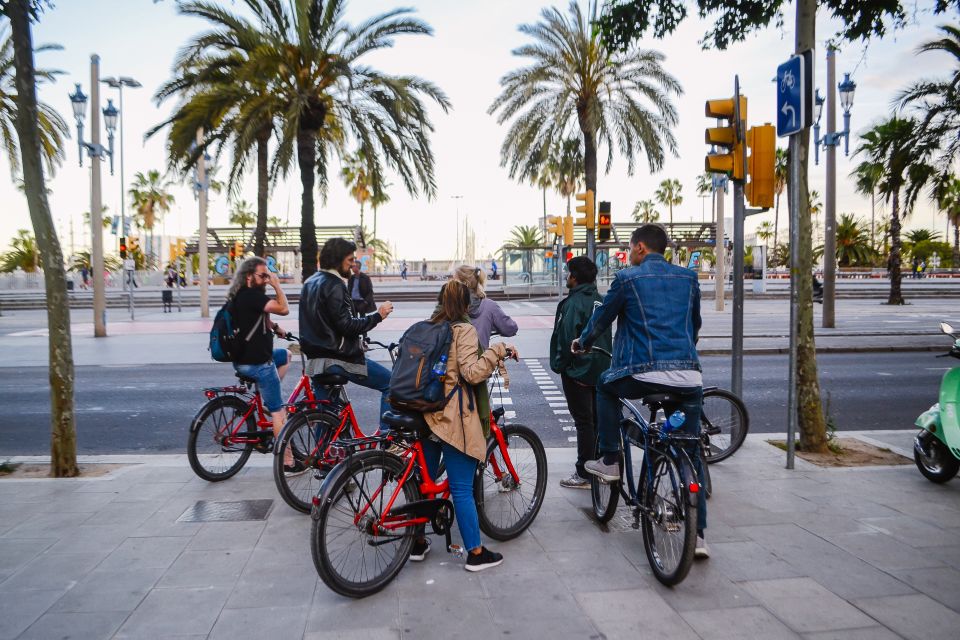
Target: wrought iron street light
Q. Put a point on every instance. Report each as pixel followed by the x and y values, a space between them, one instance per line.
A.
pixel 95 150
pixel 847 88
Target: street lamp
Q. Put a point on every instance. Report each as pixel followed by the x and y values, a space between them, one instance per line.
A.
pixel 847 88
pixel 94 149
pixel 119 84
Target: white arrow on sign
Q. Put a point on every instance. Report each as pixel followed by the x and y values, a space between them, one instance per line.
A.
pixel 793 113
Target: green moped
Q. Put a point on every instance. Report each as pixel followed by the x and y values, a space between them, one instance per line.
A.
pixel 936 449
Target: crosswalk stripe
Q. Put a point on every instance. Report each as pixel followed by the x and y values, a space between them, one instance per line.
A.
pixel 569 428
pixel 561 412
pixel 509 414
pixel 557 404
pixel 571 438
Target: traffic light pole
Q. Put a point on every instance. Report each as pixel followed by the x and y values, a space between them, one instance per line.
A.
pixel 739 214
pixel 720 250
pixel 592 244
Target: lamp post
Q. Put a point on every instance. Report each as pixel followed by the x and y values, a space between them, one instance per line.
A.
pixel 119 84
pixel 830 141
pixel 96 151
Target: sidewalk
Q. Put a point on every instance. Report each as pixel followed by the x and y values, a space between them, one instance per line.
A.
pixel 815 553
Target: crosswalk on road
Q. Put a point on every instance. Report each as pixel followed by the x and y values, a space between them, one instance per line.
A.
pixel 552 394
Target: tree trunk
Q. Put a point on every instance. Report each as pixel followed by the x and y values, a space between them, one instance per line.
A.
pixel 362 228
pixel 896 295
pixel 873 212
pixel 776 224
pixel 263 192
pixel 307 159
pixel 813 428
pixel 589 130
pixel 63 437
pixel 955 263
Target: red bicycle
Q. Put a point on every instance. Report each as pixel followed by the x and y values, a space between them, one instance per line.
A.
pixel 375 503
pixel 308 434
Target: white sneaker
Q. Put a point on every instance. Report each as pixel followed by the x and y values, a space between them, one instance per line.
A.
pixel 702 551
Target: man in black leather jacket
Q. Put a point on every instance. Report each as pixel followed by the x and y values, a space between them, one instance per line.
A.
pixel 330 329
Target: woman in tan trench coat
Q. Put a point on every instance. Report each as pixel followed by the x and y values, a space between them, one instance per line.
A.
pixel 458 426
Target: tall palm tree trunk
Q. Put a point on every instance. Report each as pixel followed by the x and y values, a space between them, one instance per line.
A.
pixel 813 427
pixel 307 159
pixel 956 245
pixel 896 294
pixel 263 192
pixel 776 224
pixel 63 436
pixel 873 213
pixel 589 161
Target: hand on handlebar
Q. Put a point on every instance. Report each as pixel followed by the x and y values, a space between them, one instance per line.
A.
pixel 512 353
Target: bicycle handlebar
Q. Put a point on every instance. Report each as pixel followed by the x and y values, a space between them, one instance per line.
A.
pixel 597 349
pixel 389 347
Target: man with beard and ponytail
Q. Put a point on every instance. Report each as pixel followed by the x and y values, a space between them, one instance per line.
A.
pixel 331 331
pixel 257 359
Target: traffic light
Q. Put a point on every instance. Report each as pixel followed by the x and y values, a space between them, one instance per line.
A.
pixel 586 209
pixel 555 225
pixel 568 231
pixel 762 142
pixel 727 137
pixel 603 222
pixel 123 248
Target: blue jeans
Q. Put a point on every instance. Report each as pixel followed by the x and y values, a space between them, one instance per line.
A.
pixel 608 420
pixel 268 380
pixel 461 469
pixel 378 378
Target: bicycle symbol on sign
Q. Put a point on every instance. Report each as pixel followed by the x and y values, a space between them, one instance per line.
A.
pixel 788 82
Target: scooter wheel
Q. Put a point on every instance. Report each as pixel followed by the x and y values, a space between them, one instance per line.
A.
pixel 934 460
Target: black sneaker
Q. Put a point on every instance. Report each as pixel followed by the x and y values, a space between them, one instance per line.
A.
pixel 483 560
pixel 420 550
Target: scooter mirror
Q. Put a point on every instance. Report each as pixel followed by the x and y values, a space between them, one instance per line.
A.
pixel 947 329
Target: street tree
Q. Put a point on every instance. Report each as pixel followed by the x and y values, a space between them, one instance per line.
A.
pixel 645 211
pixel 150 197
pixel 357 180
pixel 526 238
pixel 854 247
pixel 33 153
pixel 575 85
pixel 625 21
pixel 765 232
pixel 946 194
pixel 897 145
pixel 23 253
pixel 866 178
pixel 670 195
pixel 567 162
pixel 781 169
pixel 242 215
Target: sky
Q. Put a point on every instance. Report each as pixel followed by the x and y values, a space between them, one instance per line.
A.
pixel 470 51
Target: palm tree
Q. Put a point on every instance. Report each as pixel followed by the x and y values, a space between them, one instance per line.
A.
pixel 669 195
pixel 946 194
pixel 53 129
pixel 816 208
pixel 23 253
pixel 151 199
pixel 381 251
pixel 765 232
pixel 854 247
pixel 645 211
pixel 895 145
pixel 242 215
pixel 355 178
pixel 525 238
pixel 781 169
pixel 567 168
pixel 866 177
pixel 704 187
pixel 377 200
pixel 575 84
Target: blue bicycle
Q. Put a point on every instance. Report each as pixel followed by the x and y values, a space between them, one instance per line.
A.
pixel 664 493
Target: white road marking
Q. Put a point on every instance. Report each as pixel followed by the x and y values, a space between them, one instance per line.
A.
pixel 505 400
pixel 561 412
pixel 553 393
pixel 569 428
pixel 883 373
pixel 571 438
pixel 557 404
pixel 510 414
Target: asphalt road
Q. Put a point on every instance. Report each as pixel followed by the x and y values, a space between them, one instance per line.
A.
pixel 147 409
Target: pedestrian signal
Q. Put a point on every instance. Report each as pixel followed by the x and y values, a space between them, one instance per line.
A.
pixel 603 222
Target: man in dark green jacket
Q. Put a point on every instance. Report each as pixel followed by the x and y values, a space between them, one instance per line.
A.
pixel 579 374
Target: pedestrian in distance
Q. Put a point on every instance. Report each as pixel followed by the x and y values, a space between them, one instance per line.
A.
pixel 330 329
pixel 361 289
pixel 459 425
pixel 485 314
pixel 85 277
pixel 579 375
pixel 657 308
pixel 257 359
pixel 403 270
pixel 493 270
pixel 423 269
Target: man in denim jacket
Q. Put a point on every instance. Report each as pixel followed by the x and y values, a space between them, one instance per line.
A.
pixel 657 308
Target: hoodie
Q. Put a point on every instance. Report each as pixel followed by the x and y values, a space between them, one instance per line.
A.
pixel 487 316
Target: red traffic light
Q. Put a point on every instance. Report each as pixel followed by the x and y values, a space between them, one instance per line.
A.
pixel 569 256
pixel 621 256
pixel 604 218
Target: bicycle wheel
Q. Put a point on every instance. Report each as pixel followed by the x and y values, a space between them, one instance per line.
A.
pixel 306 435
pixel 669 521
pixel 507 507
pixel 352 557
pixel 209 457
pixel 723 424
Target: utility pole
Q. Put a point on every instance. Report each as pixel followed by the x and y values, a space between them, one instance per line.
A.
pixel 830 202
pixel 96 206
pixel 719 248
pixel 202 241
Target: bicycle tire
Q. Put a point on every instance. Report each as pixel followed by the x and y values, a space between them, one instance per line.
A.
pixel 666 507
pixel 339 502
pixel 500 498
pixel 307 433
pixel 722 435
pixel 220 413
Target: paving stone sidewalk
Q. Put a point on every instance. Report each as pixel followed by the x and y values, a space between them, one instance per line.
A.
pixel 814 553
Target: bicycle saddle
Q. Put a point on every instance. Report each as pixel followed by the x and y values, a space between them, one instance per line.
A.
pixel 330 379
pixel 406 423
pixel 655 400
pixel 245 380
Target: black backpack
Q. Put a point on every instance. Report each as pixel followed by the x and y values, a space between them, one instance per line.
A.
pixel 416 383
pixel 224 346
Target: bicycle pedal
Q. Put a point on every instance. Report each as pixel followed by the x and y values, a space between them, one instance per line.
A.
pixel 456 550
